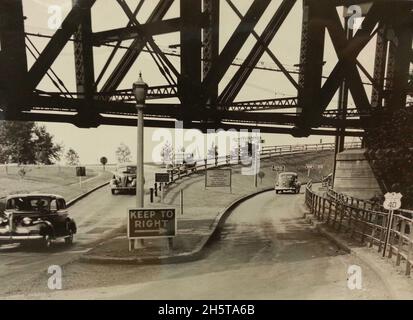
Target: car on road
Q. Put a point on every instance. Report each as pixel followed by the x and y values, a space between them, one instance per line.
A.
pixel 124 179
pixel 36 218
pixel 287 181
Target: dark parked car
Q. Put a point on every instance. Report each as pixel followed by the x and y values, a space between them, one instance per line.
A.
pixel 38 218
pixel 287 181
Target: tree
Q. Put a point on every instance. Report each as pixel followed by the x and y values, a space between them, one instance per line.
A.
pixel 46 151
pixel 123 153
pixel 27 143
pixel 166 153
pixel 72 158
pixel 103 161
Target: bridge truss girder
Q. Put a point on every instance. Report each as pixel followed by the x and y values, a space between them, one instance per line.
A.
pixel 194 86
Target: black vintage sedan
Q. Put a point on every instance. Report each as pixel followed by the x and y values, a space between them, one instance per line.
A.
pixel 38 218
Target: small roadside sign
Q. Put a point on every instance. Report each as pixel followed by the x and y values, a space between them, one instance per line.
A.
pixel 218 178
pixel 80 171
pixel 392 201
pixel 151 223
pixel 162 177
pixel 278 167
pixel 309 166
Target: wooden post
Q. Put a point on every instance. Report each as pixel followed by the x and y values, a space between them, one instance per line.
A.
pixel 324 208
pixel 374 229
pixel 182 201
pixel 382 232
pixel 342 212
pixel 401 241
pixel 329 211
pixel 388 231
pixel 409 250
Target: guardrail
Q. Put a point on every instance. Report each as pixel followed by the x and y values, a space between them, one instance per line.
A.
pixel 366 222
pixel 265 153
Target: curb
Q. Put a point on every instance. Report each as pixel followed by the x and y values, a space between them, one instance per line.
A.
pixel 330 236
pixel 83 195
pixel 181 257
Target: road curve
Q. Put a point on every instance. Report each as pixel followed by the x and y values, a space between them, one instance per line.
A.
pixel 265 251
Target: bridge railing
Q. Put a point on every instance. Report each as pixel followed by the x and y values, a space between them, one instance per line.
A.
pixel 266 152
pixel 366 222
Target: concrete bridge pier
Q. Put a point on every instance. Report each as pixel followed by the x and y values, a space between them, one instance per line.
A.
pixel 354 176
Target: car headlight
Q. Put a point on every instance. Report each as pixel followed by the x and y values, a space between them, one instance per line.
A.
pixel 3 221
pixel 27 221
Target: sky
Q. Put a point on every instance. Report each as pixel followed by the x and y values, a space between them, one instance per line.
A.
pixel 93 143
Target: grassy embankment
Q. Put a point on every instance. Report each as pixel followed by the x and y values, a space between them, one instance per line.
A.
pixel 49 179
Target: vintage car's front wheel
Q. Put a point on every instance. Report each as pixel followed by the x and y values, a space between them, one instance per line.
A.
pixel 113 191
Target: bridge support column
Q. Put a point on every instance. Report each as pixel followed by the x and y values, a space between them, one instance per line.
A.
pixel 84 68
pixel 342 107
pixel 190 80
pixel 13 59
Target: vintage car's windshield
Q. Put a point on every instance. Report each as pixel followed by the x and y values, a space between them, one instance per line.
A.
pixel 287 177
pixel 35 204
pixel 127 169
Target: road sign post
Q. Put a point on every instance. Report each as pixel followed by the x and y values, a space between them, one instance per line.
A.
pixel 80 172
pixel 182 201
pixel 392 202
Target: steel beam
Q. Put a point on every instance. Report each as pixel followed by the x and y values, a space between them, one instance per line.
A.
pixel 210 45
pixel 240 77
pixel 57 42
pixel 84 66
pixel 347 52
pixel 134 50
pixel 311 59
pixel 233 46
pixel 379 67
pixel 189 83
pixel 13 60
pixel 399 66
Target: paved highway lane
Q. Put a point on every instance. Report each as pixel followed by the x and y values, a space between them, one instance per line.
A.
pixel 265 251
pixel 96 216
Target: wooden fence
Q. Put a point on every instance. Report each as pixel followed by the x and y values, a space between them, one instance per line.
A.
pixel 366 222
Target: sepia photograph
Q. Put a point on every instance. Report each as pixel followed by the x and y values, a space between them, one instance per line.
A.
pixel 206 156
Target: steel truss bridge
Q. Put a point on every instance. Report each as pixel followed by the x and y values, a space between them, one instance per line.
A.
pixel 203 65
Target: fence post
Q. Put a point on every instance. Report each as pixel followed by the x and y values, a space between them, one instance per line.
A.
pixel 206 163
pixel 329 211
pixel 342 212
pixel 374 229
pixel 409 250
pixel 324 208
pixel 401 240
pixel 382 232
pixel 364 221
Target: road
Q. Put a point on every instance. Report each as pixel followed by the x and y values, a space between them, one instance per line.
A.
pixel 97 216
pixel 265 251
